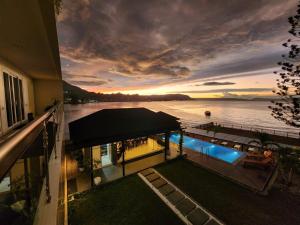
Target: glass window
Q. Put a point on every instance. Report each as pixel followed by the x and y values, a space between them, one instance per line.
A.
pixel 11 90
pixel 8 100
pixel 21 100
pixel 14 100
pixel 17 99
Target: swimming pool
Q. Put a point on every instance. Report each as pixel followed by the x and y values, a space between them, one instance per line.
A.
pixel 216 151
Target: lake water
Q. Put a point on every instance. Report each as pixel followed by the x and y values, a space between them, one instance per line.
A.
pixel 246 113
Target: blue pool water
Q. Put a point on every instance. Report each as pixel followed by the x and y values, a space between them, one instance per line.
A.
pixel 216 151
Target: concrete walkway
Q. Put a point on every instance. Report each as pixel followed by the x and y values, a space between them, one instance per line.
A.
pixel 188 210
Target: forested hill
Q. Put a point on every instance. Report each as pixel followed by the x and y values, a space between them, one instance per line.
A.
pixel 74 94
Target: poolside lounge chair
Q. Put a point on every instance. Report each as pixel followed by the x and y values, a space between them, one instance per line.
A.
pixel 224 143
pixel 97 180
pixel 213 140
pixel 262 164
pixel 237 147
pixel 252 149
pixel 258 155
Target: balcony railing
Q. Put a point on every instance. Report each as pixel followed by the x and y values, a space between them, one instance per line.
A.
pixel 26 159
pixel 15 146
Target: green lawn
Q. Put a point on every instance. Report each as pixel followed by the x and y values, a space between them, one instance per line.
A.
pixel 230 202
pixel 128 201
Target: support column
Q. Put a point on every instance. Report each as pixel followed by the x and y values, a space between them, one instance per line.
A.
pixel 167 143
pixel 123 157
pixel 91 166
pixel 180 142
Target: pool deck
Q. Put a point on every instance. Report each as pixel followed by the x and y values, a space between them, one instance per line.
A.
pixel 251 178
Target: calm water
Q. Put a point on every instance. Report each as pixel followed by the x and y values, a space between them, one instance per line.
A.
pixel 251 113
pixel 216 151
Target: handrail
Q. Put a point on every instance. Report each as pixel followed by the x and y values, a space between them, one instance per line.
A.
pixel 290 132
pixel 15 146
pixel 268 130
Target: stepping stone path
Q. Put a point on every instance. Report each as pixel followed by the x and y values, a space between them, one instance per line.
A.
pixel 189 211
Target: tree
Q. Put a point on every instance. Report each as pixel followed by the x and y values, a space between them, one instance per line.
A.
pixel 287 107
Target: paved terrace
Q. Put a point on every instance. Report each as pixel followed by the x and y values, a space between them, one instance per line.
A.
pixel 251 178
pixel 188 210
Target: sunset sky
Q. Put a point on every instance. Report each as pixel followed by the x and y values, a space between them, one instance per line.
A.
pixel 203 48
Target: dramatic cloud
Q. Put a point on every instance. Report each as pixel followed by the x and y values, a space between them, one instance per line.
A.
pixel 142 42
pixel 85 80
pixel 87 83
pixel 215 83
pixel 75 76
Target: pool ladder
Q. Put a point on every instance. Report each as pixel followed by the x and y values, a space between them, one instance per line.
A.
pixel 205 151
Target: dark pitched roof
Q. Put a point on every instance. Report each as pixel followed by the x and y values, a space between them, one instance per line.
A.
pixel 166 115
pixel 110 125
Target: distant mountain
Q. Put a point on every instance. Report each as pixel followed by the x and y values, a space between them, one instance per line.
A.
pixel 74 95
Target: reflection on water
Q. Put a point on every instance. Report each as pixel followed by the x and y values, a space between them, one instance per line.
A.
pixel 251 113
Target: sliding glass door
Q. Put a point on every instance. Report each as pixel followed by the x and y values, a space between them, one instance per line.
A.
pixel 14 100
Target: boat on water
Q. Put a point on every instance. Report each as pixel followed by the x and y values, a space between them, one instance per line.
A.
pixel 207 113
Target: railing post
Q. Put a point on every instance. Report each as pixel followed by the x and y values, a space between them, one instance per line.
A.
pixel 27 186
pixel 92 166
pixel 167 143
pixel 54 134
pixel 181 142
pixel 45 147
pixel 123 149
pixel 58 122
